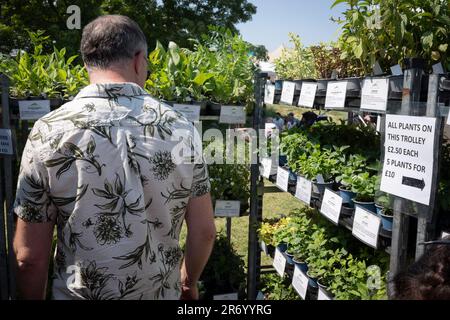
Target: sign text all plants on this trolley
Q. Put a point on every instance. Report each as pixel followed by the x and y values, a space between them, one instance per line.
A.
pixel 366 226
pixel 269 94
pixel 308 95
pixel 336 95
pixel 279 262
pixel 409 157
pixel 287 94
pixel 189 111
pixel 6 144
pixel 374 95
pixel 331 206
pixel 300 282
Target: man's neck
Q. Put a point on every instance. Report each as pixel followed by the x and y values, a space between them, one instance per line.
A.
pixel 107 76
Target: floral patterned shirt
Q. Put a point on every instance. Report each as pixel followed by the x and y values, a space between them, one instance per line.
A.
pixel 103 168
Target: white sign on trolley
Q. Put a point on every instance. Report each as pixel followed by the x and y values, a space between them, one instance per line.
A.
pixel 374 94
pixel 304 190
pixel 232 115
pixel 190 111
pixel 307 95
pixel 33 109
pixel 287 94
pixel 336 95
pixel 279 262
pixel 300 282
pixel 409 157
pixel 331 206
pixel 6 144
pixel 269 94
pixel 366 226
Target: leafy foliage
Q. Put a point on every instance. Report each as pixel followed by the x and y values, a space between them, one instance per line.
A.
pixel 296 63
pixel 391 30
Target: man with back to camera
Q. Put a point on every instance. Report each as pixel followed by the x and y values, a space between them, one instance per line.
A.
pixel 101 169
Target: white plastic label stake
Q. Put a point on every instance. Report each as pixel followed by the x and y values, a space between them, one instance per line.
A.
pixel 448 119
pixel 323 296
pixel 229 296
pixel 366 226
pixel 283 179
pixel 269 94
pixel 287 94
pixel 33 109
pixel 232 115
pixel 374 94
pixel 264 248
pixel 279 262
pixel 300 282
pixel 227 209
pixel 6 144
pixel 379 124
pixel 396 70
pixel 331 206
pixel 409 157
pixel 307 95
pixel 304 190
pixel 266 164
pixel 336 95
pixel 189 111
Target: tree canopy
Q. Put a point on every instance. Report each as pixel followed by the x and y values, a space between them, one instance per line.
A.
pixel 163 20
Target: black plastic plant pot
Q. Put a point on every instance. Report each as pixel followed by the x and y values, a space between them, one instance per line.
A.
pixel 213 108
pixel 319 188
pixel 289 257
pixel 347 211
pixel 322 85
pixel 353 87
pixel 203 106
pixel 303 266
pixel 312 281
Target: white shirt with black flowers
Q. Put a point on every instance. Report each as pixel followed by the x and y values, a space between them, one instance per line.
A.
pixel 102 168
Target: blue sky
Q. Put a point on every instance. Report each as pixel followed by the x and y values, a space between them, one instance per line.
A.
pixel 276 18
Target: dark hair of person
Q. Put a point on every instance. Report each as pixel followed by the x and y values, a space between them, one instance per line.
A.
pixel 428 278
pixel 110 39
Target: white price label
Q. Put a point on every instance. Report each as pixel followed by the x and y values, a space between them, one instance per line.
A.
pixel 227 209
pixel 336 95
pixel 374 94
pixel 323 296
pixel 189 111
pixel 279 262
pixel 366 227
pixel 331 206
pixel 300 282
pixel 283 179
pixel 229 296
pixel 304 190
pixel 269 94
pixel 6 144
pixel 409 157
pixel 33 109
pixel 287 94
pixel 232 115
pixel 307 95
pixel 267 167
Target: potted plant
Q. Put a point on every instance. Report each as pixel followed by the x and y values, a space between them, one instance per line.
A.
pixel 385 202
pixel 364 187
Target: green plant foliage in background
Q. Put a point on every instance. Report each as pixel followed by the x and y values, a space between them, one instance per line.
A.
pixel 391 30
pixel 48 75
pixel 296 63
pixel 224 272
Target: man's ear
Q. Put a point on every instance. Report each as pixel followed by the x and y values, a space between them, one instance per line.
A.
pixel 137 61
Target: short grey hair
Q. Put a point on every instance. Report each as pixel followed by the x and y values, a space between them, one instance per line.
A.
pixel 110 39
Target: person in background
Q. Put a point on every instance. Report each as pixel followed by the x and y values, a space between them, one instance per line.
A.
pixel 428 278
pixel 279 121
pixel 308 119
pixel 101 168
pixel 291 121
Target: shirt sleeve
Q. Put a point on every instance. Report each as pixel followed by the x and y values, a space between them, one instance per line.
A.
pixel 200 183
pixel 33 202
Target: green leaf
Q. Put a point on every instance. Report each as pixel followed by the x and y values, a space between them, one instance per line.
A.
pixel 201 78
pixel 427 39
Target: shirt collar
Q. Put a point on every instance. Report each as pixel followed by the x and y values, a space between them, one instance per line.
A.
pixel 111 90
